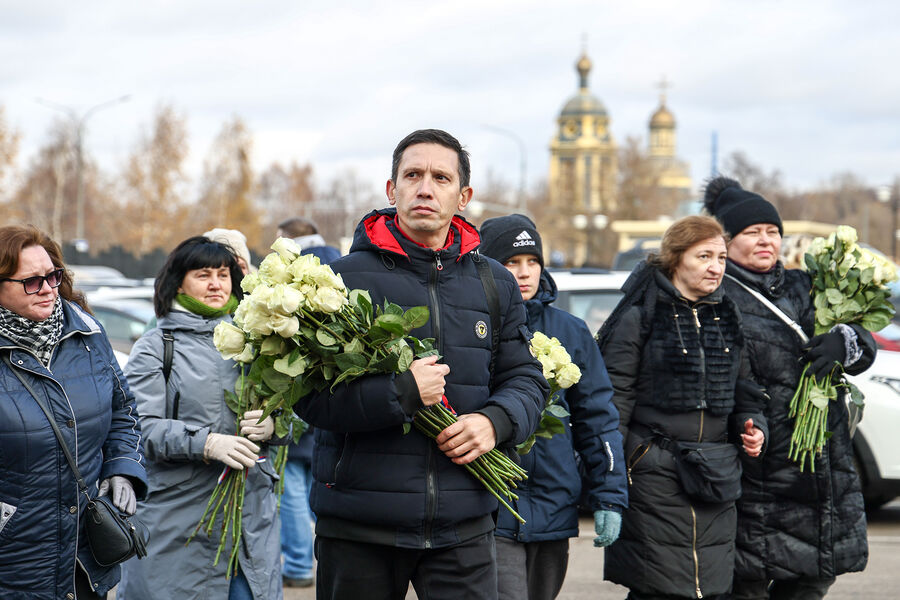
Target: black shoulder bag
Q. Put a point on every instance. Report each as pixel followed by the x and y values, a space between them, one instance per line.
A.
pixel 708 471
pixel 113 537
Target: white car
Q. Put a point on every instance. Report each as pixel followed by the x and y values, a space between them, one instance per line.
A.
pixel 592 294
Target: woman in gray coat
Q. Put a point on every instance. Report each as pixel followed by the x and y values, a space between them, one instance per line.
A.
pixel 188 440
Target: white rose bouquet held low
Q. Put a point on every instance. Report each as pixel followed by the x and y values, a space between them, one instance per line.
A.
pixel 301 330
pixel 849 285
pixel 561 373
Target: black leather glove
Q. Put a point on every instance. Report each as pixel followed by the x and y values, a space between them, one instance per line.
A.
pixel 749 397
pixel 823 351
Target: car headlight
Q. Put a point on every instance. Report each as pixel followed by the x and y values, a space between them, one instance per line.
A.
pixel 891 382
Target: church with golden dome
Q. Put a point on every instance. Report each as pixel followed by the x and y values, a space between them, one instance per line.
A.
pixel 584 176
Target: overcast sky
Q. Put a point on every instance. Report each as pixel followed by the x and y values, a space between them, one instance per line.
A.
pixel 811 88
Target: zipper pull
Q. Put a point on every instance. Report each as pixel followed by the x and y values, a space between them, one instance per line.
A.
pixel 437 261
pixel 628 472
pixel 696 318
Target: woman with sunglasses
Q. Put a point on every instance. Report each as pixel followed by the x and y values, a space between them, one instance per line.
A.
pixel 50 341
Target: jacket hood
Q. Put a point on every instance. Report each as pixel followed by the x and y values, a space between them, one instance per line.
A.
pixel 374 233
pixel 547 291
pixel 771 282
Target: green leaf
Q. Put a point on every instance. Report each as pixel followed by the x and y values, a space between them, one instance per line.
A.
pixel 416 317
pixel 354 346
pixel 866 276
pixel 386 364
pixel 232 401
pixel 392 309
pixel 292 369
pixel 834 296
pixel 876 320
pixel 325 338
pixel 405 360
pixel 349 374
pixel 272 345
pixel 825 316
pixel 526 446
pixel 406 428
pixel 820 301
pixel 392 323
pixel 276 380
pixel 349 360
pixel 810 261
pixel 557 411
pixel 856 395
pixel 378 335
pixel 362 300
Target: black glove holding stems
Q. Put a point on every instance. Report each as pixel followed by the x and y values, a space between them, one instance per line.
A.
pixel 823 351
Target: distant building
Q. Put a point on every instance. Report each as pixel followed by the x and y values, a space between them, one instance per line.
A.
pixel 584 175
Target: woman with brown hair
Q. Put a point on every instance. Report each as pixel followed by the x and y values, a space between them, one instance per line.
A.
pixel 673 350
pixel 49 341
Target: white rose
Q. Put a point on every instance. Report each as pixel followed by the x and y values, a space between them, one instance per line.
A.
pixel 568 375
pixel 816 247
pixel 323 276
pixel 254 319
pixel 260 296
pixel 302 266
pixel 249 282
pixel 327 300
pixel 287 248
pixel 846 234
pixel 284 326
pixel 228 339
pixel 548 365
pixel 246 356
pixel 560 356
pixel 274 270
pixel 539 343
pixel 285 299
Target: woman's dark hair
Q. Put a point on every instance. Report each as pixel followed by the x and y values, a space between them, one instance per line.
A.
pixel 680 236
pixel 196 252
pixel 15 238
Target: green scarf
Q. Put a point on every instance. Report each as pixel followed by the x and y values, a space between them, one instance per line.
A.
pixel 204 310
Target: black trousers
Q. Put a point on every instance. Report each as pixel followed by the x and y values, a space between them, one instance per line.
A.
pixel 793 589
pixel 349 570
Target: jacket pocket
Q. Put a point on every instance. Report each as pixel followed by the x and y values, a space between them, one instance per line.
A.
pixel 6 513
pixel 342 465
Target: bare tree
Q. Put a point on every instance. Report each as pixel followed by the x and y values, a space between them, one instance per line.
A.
pixel 154 182
pixel 227 188
pixel 282 193
pixel 9 150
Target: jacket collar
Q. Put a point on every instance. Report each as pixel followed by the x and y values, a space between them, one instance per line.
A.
pixel 378 230
pixel 770 283
pixel 546 295
pixel 670 293
pixel 188 321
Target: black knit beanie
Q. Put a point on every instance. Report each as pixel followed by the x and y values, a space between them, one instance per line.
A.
pixel 504 237
pixel 736 208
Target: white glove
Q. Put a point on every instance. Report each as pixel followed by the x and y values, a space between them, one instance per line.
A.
pixel 235 451
pixel 123 496
pixel 252 429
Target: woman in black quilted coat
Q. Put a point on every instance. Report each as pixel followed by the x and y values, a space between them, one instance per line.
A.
pixel 673 352
pixel 796 531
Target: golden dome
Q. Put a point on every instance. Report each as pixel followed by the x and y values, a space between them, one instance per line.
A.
pixel 584 67
pixel 662 118
pixel 583 102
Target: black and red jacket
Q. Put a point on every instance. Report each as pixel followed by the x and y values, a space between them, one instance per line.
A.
pixel 374 483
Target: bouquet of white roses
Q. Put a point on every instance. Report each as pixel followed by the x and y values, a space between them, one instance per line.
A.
pixel 849 285
pixel 561 373
pixel 301 330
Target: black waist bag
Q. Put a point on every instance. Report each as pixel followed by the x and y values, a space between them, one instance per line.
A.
pixel 708 471
pixel 113 536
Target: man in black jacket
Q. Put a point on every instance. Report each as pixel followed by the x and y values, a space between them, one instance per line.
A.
pixel 393 507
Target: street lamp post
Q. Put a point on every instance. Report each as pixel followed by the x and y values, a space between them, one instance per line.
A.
pixel 522 163
pixel 79 123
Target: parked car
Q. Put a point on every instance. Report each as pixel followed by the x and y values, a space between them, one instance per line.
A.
pixel 123 312
pixel 591 295
pixel 92 277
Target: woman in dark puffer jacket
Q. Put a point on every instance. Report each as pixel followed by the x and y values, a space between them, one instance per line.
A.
pixel 799 529
pixel 673 351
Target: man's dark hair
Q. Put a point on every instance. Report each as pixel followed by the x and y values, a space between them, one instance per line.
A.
pixel 195 252
pixel 298 227
pixel 433 136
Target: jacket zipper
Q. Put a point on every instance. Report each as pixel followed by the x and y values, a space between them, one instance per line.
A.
pixel 702 359
pixel 694 550
pixel 631 464
pixel 430 483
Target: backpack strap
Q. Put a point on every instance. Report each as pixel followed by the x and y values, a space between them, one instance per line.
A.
pixel 168 355
pixel 493 300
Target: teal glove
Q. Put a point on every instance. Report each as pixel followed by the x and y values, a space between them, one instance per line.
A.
pixel 607 524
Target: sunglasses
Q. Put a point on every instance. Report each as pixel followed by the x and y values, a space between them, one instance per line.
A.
pixel 34 284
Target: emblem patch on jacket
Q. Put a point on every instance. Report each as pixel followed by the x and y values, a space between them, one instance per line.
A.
pixel 481 329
